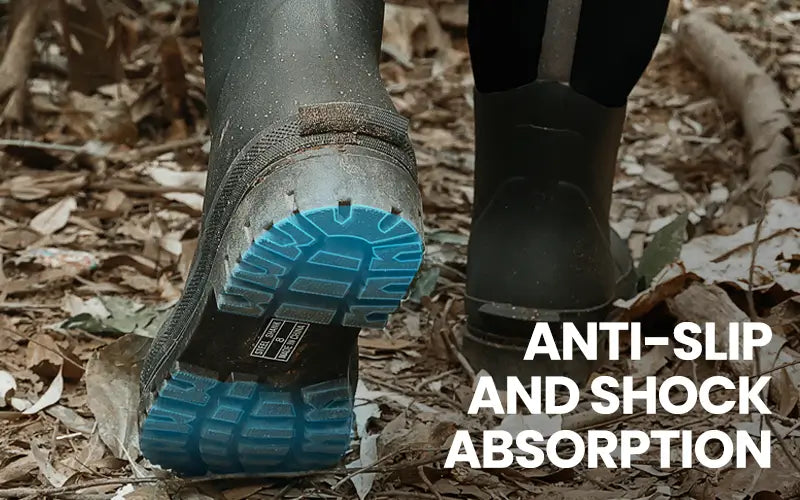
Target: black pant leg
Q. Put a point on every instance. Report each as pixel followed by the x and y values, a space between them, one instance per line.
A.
pixel 613 44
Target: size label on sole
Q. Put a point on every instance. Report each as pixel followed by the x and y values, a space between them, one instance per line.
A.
pixel 279 340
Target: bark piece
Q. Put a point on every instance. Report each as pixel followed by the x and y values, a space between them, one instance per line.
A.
pixel 92 46
pixel 17 60
pixel 173 79
pixel 753 94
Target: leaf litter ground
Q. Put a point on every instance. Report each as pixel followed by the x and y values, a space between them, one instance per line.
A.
pixel 97 236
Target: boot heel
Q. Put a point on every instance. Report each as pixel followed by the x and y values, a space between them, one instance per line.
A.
pixel 334 237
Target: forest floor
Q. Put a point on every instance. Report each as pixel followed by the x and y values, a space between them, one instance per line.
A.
pixel 97 237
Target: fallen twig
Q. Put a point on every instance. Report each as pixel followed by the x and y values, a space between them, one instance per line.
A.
pixel 158 149
pixel 447 335
pixel 428 483
pixel 753 94
pixel 130 155
pixel 48 146
pixel 146 189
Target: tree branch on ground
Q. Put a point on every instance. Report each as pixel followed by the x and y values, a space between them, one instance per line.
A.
pixel 753 94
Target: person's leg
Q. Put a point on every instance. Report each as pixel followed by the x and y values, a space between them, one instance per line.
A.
pixel 613 44
pixel 548 125
pixel 311 231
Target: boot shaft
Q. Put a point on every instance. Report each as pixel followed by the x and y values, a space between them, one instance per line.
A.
pixel 264 60
pixel 549 134
pixel 544 169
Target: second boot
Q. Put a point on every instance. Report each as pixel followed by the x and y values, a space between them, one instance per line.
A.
pixel 541 248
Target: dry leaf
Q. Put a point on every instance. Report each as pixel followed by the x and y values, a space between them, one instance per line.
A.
pixel 650 364
pixel 53 476
pixel 51 396
pixel 71 419
pixel 191 200
pixel 545 424
pixel 112 386
pixel 368 448
pixel 177 179
pixel 7 388
pixel 47 359
pixel 727 259
pixel 55 217
pixel 18 470
pixel 28 188
pixel 410 31
pixel 660 178
pixel 74 305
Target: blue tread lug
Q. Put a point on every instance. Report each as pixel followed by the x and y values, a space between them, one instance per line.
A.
pixel 346 264
pixel 197 424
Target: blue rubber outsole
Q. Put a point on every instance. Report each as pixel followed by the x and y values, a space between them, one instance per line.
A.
pixel 347 265
pixel 198 424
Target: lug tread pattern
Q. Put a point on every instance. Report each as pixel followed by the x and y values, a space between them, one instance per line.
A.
pixel 198 424
pixel 348 264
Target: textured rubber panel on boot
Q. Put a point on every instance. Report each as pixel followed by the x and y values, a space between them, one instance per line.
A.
pixel 199 424
pixel 349 265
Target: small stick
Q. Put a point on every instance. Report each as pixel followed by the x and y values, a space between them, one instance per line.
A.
pixel 428 483
pixel 158 149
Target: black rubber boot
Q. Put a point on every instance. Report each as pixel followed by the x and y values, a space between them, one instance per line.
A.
pixel 541 248
pixel 312 231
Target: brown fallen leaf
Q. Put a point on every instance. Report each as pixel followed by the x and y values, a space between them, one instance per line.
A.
pixel 17 470
pixel 46 358
pixel 410 31
pixel 454 15
pixel 55 477
pixel 178 179
pixel 188 248
pixel 7 388
pixel 36 187
pixel 50 397
pixel 727 259
pixel 98 118
pixel 18 238
pixel 154 492
pixel 116 201
pixel 112 386
pixel 173 79
pixel 55 217
pixel 141 264
pixel 70 419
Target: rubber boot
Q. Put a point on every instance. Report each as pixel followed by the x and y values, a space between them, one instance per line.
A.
pixel 311 231
pixel 541 248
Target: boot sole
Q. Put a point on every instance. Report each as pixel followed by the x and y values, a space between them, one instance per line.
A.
pixel 266 382
pixel 347 265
